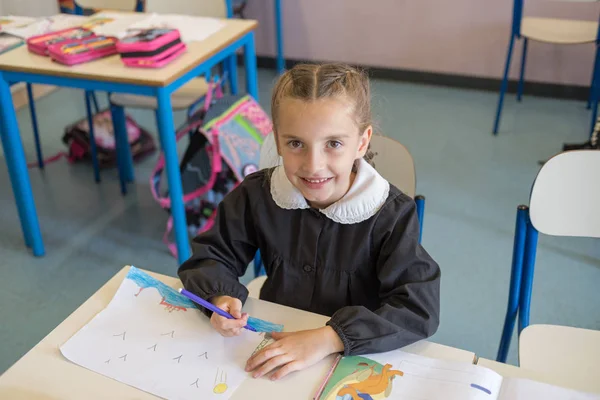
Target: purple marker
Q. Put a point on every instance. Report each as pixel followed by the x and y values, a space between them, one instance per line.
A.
pixel 210 306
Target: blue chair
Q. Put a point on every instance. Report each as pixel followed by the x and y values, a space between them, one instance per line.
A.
pixel 392 160
pixel 564 202
pixel 547 30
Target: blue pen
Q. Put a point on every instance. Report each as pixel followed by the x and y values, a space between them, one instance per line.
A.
pixel 210 306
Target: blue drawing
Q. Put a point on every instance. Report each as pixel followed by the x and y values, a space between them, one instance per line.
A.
pixel 171 297
pixel 264 326
pixel 173 300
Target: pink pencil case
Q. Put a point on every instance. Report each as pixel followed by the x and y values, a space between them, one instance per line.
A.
pixel 39 44
pixel 151 48
pixel 83 50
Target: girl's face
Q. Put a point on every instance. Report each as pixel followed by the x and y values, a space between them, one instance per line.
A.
pixel 319 142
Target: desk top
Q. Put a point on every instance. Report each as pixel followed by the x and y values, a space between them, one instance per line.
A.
pixel 111 69
pixel 44 374
pixel 564 380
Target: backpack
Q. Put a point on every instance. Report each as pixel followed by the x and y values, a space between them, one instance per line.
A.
pixel 77 140
pixel 223 149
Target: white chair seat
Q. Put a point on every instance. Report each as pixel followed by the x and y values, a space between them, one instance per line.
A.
pixel 559 31
pixel 255 285
pixel 565 354
pixel 181 99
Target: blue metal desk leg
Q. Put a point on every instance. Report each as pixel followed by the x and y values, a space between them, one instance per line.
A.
pixel 93 150
pixel 279 36
pixel 120 125
pixel 250 64
pixel 166 131
pixel 17 169
pixel 34 125
pixel 232 71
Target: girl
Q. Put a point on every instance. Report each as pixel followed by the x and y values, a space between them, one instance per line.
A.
pixel 336 238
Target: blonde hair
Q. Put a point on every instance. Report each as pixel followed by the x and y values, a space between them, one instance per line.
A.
pixel 310 82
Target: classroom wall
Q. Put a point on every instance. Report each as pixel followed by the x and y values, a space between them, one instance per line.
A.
pixel 467 37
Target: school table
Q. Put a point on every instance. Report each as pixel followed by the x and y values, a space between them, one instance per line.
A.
pixel 110 75
pixel 568 378
pixel 44 374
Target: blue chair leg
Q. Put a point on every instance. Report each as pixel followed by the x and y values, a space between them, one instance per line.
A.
pixel 279 36
pixel 92 95
pixel 522 75
pixel 504 85
pixel 257 264
pixel 594 79
pixel 420 202
pixel 527 279
pixel 595 92
pixel 515 282
pixel 34 125
pixel 94 151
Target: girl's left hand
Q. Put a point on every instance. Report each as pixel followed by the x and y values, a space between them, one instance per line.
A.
pixel 294 351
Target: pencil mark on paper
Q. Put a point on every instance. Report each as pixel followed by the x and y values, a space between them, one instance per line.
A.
pixel 107 361
pixel 121 334
pixel 205 354
pixel 178 358
pixel 168 334
pixel 152 347
pixel 195 383
pixel 124 357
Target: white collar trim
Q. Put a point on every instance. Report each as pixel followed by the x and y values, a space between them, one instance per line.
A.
pixel 367 195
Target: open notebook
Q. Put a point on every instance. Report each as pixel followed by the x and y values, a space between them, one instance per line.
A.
pixel 403 376
pixel 153 338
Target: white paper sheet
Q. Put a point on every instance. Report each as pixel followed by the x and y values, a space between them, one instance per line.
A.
pixel 113 24
pixel 154 339
pixel 191 29
pixel 39 26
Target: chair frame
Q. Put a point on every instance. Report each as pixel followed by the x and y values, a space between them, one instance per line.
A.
pixel 515 33
pixel 521 278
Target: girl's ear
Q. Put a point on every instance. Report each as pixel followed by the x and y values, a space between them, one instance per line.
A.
pixel 363 144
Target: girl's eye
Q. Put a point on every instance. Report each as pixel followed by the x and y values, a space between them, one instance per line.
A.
pixel 334 144
pixel 294 144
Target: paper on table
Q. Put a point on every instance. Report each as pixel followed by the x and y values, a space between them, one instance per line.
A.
pixel 191 29
pixel 113 24
pixel 44 25
pixel 156 340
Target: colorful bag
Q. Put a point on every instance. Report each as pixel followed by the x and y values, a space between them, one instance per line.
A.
pixel 224 148
pixel 77 139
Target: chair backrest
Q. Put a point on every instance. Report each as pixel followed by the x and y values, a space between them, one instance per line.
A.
pixel 119 5
pixel 392 160
pixel 195 8
pixel 565 198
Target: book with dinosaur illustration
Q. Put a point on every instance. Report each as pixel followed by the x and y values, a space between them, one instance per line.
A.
pixel 155 339
pixel 398 375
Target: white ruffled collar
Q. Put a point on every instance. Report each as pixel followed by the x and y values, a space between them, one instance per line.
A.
pixel 367 195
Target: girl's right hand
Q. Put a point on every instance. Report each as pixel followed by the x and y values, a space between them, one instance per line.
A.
pixel 228 327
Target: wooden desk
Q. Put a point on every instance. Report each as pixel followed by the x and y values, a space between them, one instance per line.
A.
pixel 44 374
pixel 110 75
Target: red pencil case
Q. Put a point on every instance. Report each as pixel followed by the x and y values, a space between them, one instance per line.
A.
pixel 39 44
pixel 151 48
pixel 83 50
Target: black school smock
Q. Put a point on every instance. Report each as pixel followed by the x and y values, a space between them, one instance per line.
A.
pixel 358 260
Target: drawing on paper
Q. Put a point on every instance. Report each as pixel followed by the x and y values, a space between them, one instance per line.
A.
pixel 359 378
pixel 264 326
pixel 220 382
pixel 171 299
